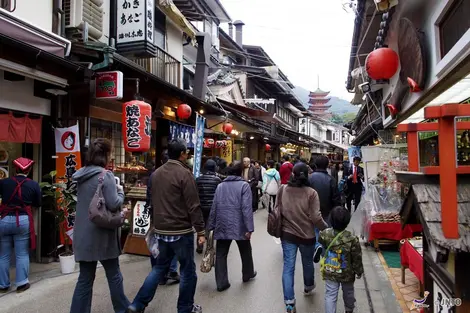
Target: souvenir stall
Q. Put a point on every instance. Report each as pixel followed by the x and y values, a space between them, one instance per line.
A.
pixel 439 199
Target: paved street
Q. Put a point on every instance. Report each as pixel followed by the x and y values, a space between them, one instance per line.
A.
pixel 264 294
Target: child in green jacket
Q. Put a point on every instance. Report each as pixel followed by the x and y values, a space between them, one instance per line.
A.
pixel 342 261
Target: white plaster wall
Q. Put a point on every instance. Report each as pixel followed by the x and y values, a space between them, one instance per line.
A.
pixel 35 12
pixel 174 44
pixel 106 16
pixel 19 96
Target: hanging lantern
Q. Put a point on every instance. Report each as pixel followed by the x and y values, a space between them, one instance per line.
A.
pixel 210 142
pixel 184 111
pixel 136 126
pixel 224 143
pixel 219 144
pixel 227 128
pixel 268 147
pixel 382 63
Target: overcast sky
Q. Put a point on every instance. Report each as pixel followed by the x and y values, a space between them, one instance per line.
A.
pixel 305 38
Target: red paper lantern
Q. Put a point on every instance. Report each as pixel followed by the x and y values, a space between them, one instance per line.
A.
pixel 268 147
pixel 184 111
pixel 382 63
pixel 227 128
pixel 136 126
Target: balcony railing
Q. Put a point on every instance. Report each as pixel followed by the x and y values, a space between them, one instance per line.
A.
pixel 163 66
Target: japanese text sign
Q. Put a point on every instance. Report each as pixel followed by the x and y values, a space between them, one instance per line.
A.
pixel 109 85
pixel 141 219
pixel 135 20
pixel 137 126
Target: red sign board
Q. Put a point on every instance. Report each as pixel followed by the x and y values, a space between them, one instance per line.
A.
pixel 109 85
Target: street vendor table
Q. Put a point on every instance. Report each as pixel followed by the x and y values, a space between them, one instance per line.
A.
pixel 413 260
pixel 391 231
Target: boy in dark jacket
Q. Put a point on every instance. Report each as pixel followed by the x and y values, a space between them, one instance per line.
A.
pixel 343 260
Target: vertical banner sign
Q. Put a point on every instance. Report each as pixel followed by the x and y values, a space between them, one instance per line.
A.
pixel 354 152
pixel 199 144
pixel 188 133
pixel 67 147
pixel 141 222
pixel 135 21
pixel 227 152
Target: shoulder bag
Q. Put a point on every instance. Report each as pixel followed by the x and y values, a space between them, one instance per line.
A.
pixel 97 211
pixel 275 217
pixel 323 258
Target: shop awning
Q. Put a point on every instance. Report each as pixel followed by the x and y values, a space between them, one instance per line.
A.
pixel 336 145
pixel 16 56
pixel 170 9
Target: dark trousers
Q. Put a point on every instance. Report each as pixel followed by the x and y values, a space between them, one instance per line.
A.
pixel 355 192
pixel 221 271
pixel 254 192
pixel 82 296
pixel 272 202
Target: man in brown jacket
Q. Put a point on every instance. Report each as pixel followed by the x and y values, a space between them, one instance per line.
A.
pixel 176 214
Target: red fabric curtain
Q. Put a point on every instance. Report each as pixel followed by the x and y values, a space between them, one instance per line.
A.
pixel 4 126
pixel 17 130
pixel 33 129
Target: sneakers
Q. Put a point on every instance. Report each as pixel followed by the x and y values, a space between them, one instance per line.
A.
pixel 131 310
pixel 317 254
pixel 23 288
pixel 245 280
pixel 196 308
pixel 308 291
pixel 290 308
pixel 4 290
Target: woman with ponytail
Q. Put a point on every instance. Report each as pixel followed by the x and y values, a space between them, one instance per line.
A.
pixel 300 208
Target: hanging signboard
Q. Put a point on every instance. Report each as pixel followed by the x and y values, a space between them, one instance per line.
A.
pixel 184 132
pixel 141 221
pixel 68 161
pixel 136 126
pixel 199 144
pixel 109 85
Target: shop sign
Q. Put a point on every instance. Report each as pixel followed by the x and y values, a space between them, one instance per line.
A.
pixel 199 146
pixel 136 126
pixel 426 135
pixel 68 161
pixel 135 21
pixel 141 220
pixel 226 152
pixel 109 85
pixel 183 132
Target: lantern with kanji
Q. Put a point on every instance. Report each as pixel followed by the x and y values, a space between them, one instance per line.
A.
pixel 184 111
pixel 382 63
pixel 136 126
pixel 227 128
pixel 268 147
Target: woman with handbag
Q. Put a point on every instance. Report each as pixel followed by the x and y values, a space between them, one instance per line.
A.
pixel 299 210
pixel 231 218
pixel 97 221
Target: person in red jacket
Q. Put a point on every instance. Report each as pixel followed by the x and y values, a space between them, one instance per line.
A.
pixel 286 170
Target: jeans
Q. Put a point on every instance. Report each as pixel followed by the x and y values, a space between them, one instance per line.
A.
pixel 19 237
pixel 81 300
pixel 221 253
pixel 290 255
pixel 331 296
pixel 183 249
pixel 173 264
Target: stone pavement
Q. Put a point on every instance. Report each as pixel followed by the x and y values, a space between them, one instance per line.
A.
pixel 263 295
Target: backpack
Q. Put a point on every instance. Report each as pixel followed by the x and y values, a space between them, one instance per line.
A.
pixel 323 258
pixel 275 217
pixel 97 211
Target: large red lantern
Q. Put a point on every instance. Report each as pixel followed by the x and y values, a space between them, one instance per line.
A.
pixel 268 147
pixel 184 111
pixel 136 126
pixel 227 128
pixel 382 63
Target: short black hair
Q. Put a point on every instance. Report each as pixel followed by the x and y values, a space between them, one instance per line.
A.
pixel 286 157
pixel 356 158
pixel 322 162
pixel 99 152
pixel 235 169
pixel 271 163
pixel 340 218
pixel 176 147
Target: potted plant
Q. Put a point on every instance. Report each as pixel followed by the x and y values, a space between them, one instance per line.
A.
pixel 62 201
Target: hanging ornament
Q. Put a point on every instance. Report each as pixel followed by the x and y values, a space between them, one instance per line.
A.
pixel 382 63
pixel 227 128
pixel 136 126
pixel 413 85
pixel 393 110
pixel 268 147
pixel 184 111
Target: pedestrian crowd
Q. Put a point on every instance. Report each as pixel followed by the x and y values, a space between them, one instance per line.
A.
pixel 312 204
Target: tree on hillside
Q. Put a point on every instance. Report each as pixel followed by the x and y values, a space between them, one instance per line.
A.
pixel 337 119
